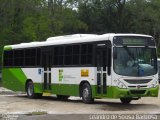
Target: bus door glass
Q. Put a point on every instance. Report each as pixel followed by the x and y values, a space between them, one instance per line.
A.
pixel 101 59
pixel 47 58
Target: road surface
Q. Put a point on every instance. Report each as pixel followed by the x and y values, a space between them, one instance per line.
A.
pixel 15 103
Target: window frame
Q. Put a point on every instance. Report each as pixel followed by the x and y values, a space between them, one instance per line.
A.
pixel 24 58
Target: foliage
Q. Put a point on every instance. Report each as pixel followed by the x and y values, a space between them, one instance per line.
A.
pixel 36 20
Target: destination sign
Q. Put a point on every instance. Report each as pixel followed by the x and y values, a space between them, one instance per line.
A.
pixel 133 41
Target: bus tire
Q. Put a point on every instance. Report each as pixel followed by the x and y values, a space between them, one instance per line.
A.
pixel 30 91
pixel 125 100
pixel 87 93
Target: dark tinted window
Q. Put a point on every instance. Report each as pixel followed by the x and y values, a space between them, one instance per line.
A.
pixel 76 55
pixel 30 57
pixel 8 58
pixel 38 56
pixel 86 54
pixel 22 57
pixel 58 55
pixel 18 57
pixel 68 55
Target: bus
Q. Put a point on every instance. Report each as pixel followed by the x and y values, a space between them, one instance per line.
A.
pixel 158 60
pixel 90 66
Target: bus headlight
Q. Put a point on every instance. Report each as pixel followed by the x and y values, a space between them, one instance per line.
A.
pixel 153 84
pixel 121 85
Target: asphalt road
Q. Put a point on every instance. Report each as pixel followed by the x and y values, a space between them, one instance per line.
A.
pixel 19 107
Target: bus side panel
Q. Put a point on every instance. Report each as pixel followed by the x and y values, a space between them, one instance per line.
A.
pixel 14 79
pixel 65 89
pixel 66 81
pixel 35 75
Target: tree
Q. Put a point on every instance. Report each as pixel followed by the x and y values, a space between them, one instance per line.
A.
pixel 36 20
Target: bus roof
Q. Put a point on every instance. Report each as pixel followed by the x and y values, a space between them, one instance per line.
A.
pixel 70 39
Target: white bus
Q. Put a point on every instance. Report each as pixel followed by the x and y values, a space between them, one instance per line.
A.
pixel 90 66
pixel 158 69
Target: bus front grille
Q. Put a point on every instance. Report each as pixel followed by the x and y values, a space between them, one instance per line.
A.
pixel 139 81
pixel 137 91
pixel 142 86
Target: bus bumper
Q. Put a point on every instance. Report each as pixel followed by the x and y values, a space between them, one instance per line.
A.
pixel 145 92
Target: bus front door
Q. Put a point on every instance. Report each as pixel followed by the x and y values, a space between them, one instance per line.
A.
pixel 46 57
pixel 101 71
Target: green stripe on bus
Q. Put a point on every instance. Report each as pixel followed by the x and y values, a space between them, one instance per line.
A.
pixel 115 92
pixel 14 79
pixel 66 89
pixel 112 91
pixel 7 48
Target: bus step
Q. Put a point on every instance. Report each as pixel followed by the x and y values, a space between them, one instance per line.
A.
pixel 46 94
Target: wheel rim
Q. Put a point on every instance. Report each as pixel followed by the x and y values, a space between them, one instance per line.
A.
pixel 85 93
pixel 30 89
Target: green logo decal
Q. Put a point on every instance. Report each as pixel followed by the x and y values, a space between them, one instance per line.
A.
pixel 60 74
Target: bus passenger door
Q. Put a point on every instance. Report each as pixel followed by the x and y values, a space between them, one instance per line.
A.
pixel 101 55
pixel 46 61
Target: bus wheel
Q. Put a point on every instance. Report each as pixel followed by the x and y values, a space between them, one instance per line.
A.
pixel 30 90
pixel 87 93
pixel 125 100
pixel 62 97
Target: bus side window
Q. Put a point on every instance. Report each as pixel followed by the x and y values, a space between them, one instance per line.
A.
pixel 8 58
pixel 30 57
pixel 58 55
pixel 18 57
pixel 76 55
pixel 68 55
pixel 86 54
pixel 38 57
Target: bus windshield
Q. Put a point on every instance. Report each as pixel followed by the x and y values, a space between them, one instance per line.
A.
pixel 135 61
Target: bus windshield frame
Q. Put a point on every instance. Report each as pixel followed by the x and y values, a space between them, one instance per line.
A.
pixel 135 61
pixel 134 56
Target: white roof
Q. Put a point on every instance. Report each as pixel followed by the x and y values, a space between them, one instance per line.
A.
pixel 68 39
pixel 71 36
